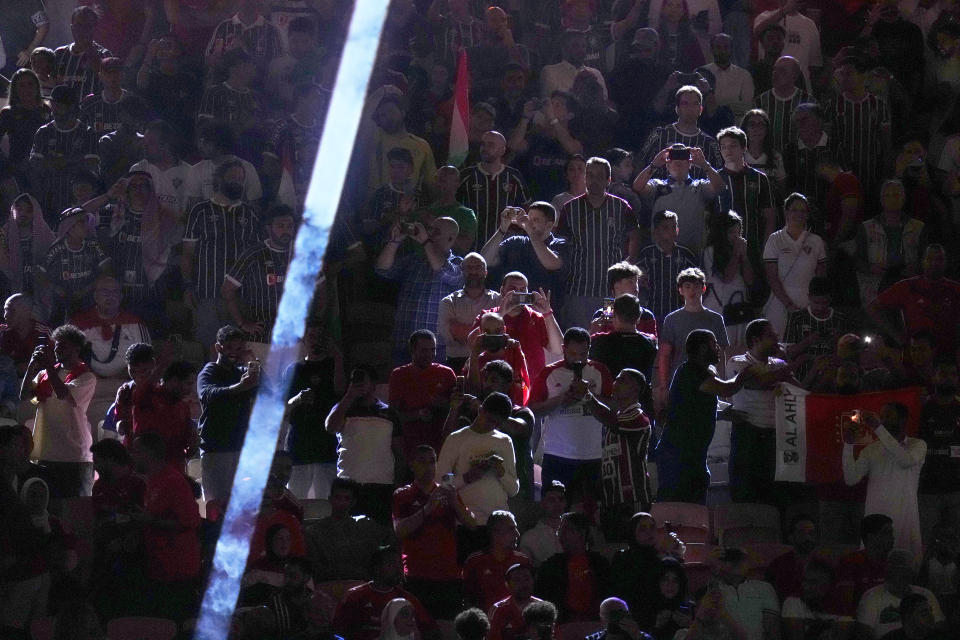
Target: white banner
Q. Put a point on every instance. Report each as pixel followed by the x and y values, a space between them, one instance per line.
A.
pixel 791 433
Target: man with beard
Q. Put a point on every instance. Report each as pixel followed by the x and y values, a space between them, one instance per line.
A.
pixel 785 573
pixel 681 454
pixel 940 429
pixel 459 309
pixel 490 186
pixel 734 85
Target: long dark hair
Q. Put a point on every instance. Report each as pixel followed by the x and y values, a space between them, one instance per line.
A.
pixel 722 247
pixel 14 96
pixel 767 139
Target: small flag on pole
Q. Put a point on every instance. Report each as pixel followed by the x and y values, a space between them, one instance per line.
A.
pixel 460 121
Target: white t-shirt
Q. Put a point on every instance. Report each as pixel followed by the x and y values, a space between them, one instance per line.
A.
pixel 796 609
pixel 748 602
pixel 540 543
pixel 880 610
pixel 62 432
pixel 734 88
pixel 365 453
pixel 490 492
pixel 170 185
pixel 796 260
pixel 758 404
pixel 803 39
pixel 569 431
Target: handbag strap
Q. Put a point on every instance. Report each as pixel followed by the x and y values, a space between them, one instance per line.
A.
pixel 797 258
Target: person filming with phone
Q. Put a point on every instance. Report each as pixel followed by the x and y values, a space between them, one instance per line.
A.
pixel 891 463
pixel 489 342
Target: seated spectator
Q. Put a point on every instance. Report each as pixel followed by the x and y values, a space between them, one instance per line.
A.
pixel 16 447
pixel 369 449
pixel 358 615
pixel 398 620
pixel 425 516
pixel 623 345
pixel 264 576
pixel 169 520
pixel 20 333
pixel 618 622
pixel 506 616
pixel 541 541
pixel 472 624
pixel 634 570
pixel 275 509
pixel 576 599
pixel 293 608
pixel 810 610
pixel 541 620
pixel 341 546
pixel 661 264
pixel 622 278
pixel 917 620
pixel 485 573
pixel 938 572
pixel 752 603
pixel 874 619
pixel 28 240
pixel 669 610
pixel 713 620
pixel 867 568
pixel 785 572
pixel 490 342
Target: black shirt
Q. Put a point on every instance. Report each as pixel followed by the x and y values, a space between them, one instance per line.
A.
pixel 624 350
pixel 223 414
pixel 940 429
pixel 308 440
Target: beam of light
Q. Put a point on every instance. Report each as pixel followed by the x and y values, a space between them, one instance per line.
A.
pixel 326 185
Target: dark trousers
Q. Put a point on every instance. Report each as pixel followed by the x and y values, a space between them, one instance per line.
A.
pixel 753 461
pixel 443 599
pixel 574 474
pixel 69 479
pixel 376 501
pixel 680 476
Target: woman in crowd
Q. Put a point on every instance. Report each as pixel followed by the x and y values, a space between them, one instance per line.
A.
pixel 728 269
pixel 760 153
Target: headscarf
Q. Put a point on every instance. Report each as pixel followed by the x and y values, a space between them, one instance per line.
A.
pixel 42 239
pixel 40 520
pixel 157 231
pixel 73 219
pixel 387 617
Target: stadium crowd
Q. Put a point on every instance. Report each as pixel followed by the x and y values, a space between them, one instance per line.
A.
pixel 527 350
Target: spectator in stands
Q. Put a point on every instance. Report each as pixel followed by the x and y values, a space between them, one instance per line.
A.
pixel 618 622
pixel 541 620
pixel 247 29
pixel 163 408
pixel 446 205
pixel 688 101
pixel 341 546
pixel 419 393
pixel 226 389
pixel 917 620
pixel 234 101
pixel 734 85
pixel 291 149
pixel 621 185
pixel 864 569
pixel 814 330
pixel 395 201
pixel 20 333
pixel 803 42
pixel 16 447
pixel 370 449
pixel 425 279
pixel 810 610
pixel 625 346
pixel 358 613
pixel 314 384
pixel 689 197
pixel 634 570
pixel 580 598
pixel 940 429
pixel 622 278
pixel 891 465
pixel 459 309
pixel 759 152
pixel 540 542
pixel 62 386
pixel 575 171
pixel 729 271
pixel 162 160
pixel 123 146
pixel 78 62
pixel 691 285
pixel 425 516
pixel 168 84
pixel 170 520
pixel 485 573
pixel 753 442
pixel 802 157
pixel 681 454
pixel 216 144
pixel 670 606
pixel 489 342
pixel 544 142
pixel 874 619
pixel 780 100
pixel 785 572
pixel 661 264
pixel 506 616
pixel 490 186
pixel 300 63
pixel 472 624
pixel 218 231
pixel 538 254
pixel 560 76
pixel 757 613
pixel 638 68
pixel 28 239
pixel 141 364
pixel 572 439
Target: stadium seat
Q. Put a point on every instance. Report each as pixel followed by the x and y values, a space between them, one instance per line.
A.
pixel 761 554
pixel 691 521
pixel 141 629
pixel 746 523
pixel 698 552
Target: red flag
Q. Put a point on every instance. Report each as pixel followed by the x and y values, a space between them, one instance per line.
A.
pixel 460 120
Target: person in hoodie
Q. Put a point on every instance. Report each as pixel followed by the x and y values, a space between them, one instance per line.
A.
pixel 26 239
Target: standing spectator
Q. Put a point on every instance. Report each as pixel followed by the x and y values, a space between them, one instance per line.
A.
pixel 62 387
pixel 78 62
pixel 163 408
pixel 734 85
pixel 249 30
pixel 624 278
pixel 602 230
pixel 100 111
pixel 459 309
pixel 369 437
pixel 690 198
pixel 626 440
pixel 786 572
pixel 637 71
pixel 218 231
pixel 681 454
pixel 122 147
pixel 544 142
pixel 575 171
pixel 537 253
pixel 483 463
pixel 358 613
pixel 728 269
pixel 168 85
pixel 803 36
pixel 506 616
pixel 661 264
pixel 20 332
pixel 891 465
pixel 815 329
pixel 161 159
pixel 445 204
pixel 685 131
pixel 617 621
pixel 234 102
pixel 25 112
pixel 25 26
pixel 760 153
pixel 226 389
pixel 572 438
pixel 803 157
pixel 780 101
pixel 300 63
pixel 314 384
pixel 540 542
pixel 490 186
pixel 258 277
pixel 792 257
pixel 577 579
pixel 426 278
pixel 678 325
pixel 889 244
pixel 940 429
pixel 624 345
pixel 485 572
pixel 216 143
pixel 560 76
pixel 772 40
pixel 874 619
pixel 60 148
pixel 419 392
pixel 292 148
pixel 900 44
pixel 490 342
pixel 425 516
pixel 170 520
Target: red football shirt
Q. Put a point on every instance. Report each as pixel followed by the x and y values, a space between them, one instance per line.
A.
pixel 529 329
pixel 484 577
pixel 153 411
pixel 358 614
pixel 119 496
pixel 20 349
pixel 855 574
pixel 172 555
pixel 506 619
pixel 270 517
pixel 926 304
pixel 520 389
pixel 412 389
pixel 581 588
pixel 429 553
